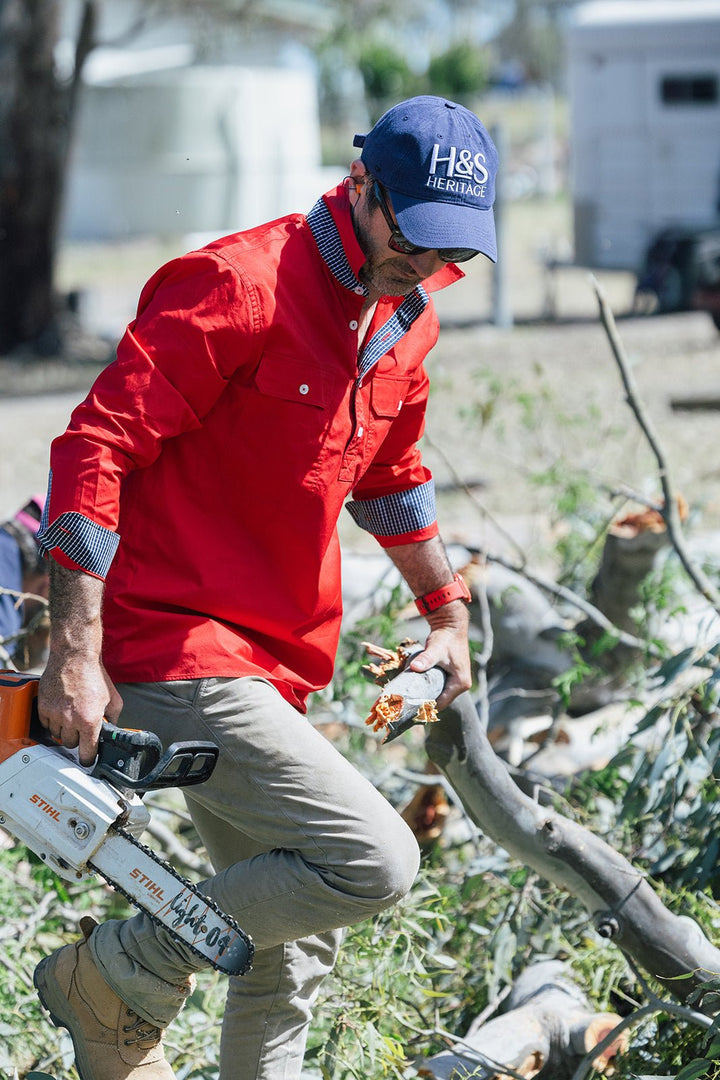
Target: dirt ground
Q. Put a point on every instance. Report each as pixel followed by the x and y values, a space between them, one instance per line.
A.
pixel 509 405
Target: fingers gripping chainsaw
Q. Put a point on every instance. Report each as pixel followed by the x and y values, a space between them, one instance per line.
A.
pixel 82 822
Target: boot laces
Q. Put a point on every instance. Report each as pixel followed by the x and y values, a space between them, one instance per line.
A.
pixel 146 1035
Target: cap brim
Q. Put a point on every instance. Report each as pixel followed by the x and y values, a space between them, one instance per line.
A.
pixel 436 224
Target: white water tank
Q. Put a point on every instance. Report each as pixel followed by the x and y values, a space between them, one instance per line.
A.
pixel 193 150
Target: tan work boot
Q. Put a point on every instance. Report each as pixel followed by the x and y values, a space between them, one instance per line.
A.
pixel 111 1041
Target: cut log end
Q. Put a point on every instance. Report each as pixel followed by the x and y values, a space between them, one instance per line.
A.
pixel 427 813
pixel 391 710
pixel 598 1029
pixel 528 1068
pixel 649 520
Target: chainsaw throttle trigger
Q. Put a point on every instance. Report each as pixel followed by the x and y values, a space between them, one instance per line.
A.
pixel 135 760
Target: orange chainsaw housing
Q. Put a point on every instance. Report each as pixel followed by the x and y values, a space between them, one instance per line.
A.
pixel 18 693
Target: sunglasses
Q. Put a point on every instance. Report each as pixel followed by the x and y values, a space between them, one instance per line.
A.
pixel 400 243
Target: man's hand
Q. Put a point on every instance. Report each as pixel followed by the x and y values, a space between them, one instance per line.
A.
pixel 74 696
pixel 75 692
pixel 425 567
pixel 447 647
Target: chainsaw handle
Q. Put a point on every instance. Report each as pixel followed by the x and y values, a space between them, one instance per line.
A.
pixel 131 753
pixel 134 760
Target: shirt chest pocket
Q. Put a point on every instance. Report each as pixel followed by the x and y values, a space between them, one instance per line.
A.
pixel 387 395
pixel 293 419
pixel 292 379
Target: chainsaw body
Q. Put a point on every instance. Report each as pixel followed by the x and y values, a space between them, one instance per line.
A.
pixel 63 811
pixel 83 821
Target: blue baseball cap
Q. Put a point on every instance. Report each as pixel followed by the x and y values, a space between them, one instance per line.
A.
pixel 439 164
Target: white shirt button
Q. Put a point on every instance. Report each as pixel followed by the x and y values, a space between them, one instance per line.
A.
pixel 359 290
pixel 304 388
pixel 353 324
pixel 360 432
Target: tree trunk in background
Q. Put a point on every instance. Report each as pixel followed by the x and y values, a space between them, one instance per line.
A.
pixel 36 114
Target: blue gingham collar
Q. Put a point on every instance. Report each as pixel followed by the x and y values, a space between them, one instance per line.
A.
pixel 327 237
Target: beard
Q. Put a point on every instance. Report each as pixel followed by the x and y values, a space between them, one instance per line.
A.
pixel 391 277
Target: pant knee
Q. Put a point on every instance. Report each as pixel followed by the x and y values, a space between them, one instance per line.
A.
pixel 385 867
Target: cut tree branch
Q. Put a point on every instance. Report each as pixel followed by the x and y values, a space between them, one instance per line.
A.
pixel 669 510
pixel 624 906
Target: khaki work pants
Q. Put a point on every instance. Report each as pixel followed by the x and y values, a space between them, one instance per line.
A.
pixel 302 846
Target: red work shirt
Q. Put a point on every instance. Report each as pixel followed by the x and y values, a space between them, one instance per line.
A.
pixel 204 474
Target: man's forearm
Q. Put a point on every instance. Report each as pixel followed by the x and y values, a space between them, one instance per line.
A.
pixel 75 692
pixel 424 565
pixel 75 612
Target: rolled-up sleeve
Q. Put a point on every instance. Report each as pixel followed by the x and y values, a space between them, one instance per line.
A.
pixel 399 518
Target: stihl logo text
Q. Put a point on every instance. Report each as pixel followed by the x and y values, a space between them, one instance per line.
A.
pixel 45 806
pixel 147 883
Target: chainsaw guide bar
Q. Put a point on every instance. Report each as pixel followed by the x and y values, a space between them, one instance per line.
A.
pixel 173 903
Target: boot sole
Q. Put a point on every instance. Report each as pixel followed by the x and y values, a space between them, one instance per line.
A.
pixel 52 999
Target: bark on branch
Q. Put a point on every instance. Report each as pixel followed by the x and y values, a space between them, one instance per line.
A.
pixel 623 905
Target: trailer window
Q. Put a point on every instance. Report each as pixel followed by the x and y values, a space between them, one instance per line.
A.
pixel 689 90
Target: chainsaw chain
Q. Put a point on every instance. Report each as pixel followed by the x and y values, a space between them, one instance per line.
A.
pixel 186 884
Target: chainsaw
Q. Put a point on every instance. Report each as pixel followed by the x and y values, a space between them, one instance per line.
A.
pixel 82 821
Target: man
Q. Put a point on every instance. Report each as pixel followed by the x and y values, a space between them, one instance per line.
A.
pixel 22 571
pixel 265 379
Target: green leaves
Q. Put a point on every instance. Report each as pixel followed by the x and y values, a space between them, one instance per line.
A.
pixel 695 1070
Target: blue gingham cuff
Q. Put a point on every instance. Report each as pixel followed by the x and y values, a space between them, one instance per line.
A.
pixel 396 514
pixel 89 545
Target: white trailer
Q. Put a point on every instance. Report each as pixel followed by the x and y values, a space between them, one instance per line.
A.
pixel 644 92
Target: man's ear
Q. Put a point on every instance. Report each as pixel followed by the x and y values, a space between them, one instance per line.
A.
pixel 358 172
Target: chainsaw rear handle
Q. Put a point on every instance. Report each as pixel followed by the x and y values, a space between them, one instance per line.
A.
pixel 135 760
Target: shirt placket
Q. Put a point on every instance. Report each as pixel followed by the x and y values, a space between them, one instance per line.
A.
pixel 358 418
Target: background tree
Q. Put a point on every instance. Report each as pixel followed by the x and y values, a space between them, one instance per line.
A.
pixel 461 72
pixel 386 75
pixel 38 105
pixel 36 112
pixel 534 38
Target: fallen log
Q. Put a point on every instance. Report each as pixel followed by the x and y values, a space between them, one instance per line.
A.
pixel 696 403
pixel 545 1030
pixel 625 909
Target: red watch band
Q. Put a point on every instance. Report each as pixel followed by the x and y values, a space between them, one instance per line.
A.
pixel 456 590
